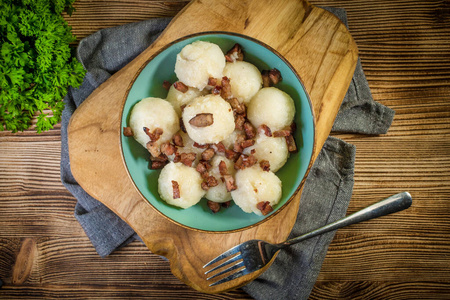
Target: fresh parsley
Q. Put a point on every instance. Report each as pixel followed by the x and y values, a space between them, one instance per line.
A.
pixel 37 64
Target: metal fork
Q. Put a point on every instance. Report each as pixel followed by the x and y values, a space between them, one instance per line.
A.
pixel 253 255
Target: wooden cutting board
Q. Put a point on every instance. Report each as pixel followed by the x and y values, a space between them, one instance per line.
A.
pixel 313 40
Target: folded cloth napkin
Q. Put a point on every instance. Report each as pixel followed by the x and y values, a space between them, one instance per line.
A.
pixel 325 196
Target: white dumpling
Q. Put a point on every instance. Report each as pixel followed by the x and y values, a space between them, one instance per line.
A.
pixel 255 185
pixel 199 61
pixel 272 107
pixel 219 192
pixel 177 176
pixel 222 114
pixel 153 113
pixel 272 149
pixel 245 80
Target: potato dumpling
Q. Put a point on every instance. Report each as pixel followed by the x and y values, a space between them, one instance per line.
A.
pixel 272 107
pixel 272 149
pixel 255 185
pixel 180 185
pixel 153 113
pixel 245 80
pixel 219 114
pixel 178 98
pixel 219 192
pixel 199 61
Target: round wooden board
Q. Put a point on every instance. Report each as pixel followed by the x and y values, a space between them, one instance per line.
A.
pixel 313 40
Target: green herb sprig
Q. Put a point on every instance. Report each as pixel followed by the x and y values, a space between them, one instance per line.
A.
pixel 37 64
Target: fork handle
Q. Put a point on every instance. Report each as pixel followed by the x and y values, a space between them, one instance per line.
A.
pixel 387 206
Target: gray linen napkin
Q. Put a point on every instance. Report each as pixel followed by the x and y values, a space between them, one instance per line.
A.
pixel 325 196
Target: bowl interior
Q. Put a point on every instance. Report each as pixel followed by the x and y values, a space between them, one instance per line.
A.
pixel 149 83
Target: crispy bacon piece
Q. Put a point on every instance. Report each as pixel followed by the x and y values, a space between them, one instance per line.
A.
pixel 239 122
pixel 219 147
pixel 168 149
pixel 237 106
pixel 213 206
pixel 216 90
pixel 225 204
pixel 282 133
pixel 178 140
pixel 176 189
pixel 155 135
pixel 292 147
pixel 223 170
pixel 201 168
pixel 212 81
pixel 187 158
pixel 237 143
pixel 264 207
pixel 271 77
pixel 264 129
pixel 235 53
pixel 154 165
pixel 247 143
pixel 231 155
pixel 225 92
pixel 211 181
pixel 265 165
pixel 204 186
pixel 245 161
pixel 179 86
pixel 127 131
pixel 229 183
pixel 166 84
pixel 208 154
pixel 200 146
pixel 153 148
pixel 249 130
pixel 182 127
pixel 202 120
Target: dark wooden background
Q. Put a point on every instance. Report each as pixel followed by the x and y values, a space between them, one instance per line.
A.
pixel 405 52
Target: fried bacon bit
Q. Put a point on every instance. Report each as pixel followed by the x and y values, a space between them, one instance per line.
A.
pixel 155 135
pixel 225 92
pixel 211 181
pixel 264 129
pixel 235 54
pixel 265 165
pixel 219 147
pixel 127 131
pixel 216 90
pixel 231 155
pixel 168 149
pixel 225 204
pixel 204 186
pixel 166 84
pixel 153 148
pixel 239 122
pixel 182 127
pixel 178 140
pixel 155 165
pixel 203 166
pixel 213 206
pixel 237 143
pixel 202 120
pixel 271 77
pixel 264 207
pixel 179 86
pixel 249 130
pixel 208 154
pixel 187 158
pixel 237 106
pixel 229 183
pixel 247 143
pixel 176 189
pixel 212 81
pixel 292 147
pixel 245 161
pixel 200 146
pixel 223 169
pixel 282 133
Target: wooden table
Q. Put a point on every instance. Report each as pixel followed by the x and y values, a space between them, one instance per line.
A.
pixel 405 51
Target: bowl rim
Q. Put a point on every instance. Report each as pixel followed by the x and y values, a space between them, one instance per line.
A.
pixel 285 61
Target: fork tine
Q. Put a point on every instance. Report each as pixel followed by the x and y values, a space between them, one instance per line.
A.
pixel 232 251
pixel 231 277
pixel 227 262
pixel 234 267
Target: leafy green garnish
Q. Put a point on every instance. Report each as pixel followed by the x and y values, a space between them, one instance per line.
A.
pixel 36 62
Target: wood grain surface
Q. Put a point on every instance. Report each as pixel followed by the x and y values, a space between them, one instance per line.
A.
pixel 404 47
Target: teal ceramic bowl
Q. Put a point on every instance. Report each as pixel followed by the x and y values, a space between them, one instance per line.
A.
pixel 148 82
